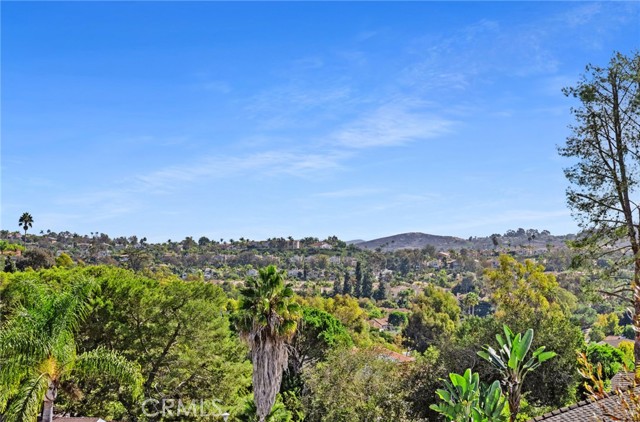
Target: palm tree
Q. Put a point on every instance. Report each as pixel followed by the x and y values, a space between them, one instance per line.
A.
pixel 38 352
pixel 26 222
pixel 267 319
pixel 471 300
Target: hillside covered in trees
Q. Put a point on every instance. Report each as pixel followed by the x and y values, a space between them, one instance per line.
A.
pixel 427 311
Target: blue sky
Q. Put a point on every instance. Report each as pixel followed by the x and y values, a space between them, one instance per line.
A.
pixel 255 120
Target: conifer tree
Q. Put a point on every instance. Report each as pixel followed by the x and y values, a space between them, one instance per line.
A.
pixel 381 293
pixel 337 286
pixel 347 287
pixel 357 291
pixel 367 284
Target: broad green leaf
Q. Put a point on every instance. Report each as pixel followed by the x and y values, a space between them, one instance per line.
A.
pixel 525 344
pixel 545 356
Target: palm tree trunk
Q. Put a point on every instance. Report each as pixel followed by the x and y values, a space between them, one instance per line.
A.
pixel 269 356
pixel 49 398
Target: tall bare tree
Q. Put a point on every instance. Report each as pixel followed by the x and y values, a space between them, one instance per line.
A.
pixel 603 194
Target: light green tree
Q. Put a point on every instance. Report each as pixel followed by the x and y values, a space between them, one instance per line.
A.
pixel 525 295
pixel 355 386
pixel 471 300
pixel 64 260
pixel 434 315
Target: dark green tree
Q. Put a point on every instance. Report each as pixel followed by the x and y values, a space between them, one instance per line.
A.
pixel 367 284
pixel 26 222
pixel 357 290
pixel 36 259
pixel 346 286
pixel 337 286
pixel 381 291
pixel 420 382
pixel 318 332
pixel 178 332
pixel 398 319
pixel 10 265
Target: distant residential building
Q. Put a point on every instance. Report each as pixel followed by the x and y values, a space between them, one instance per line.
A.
pixel 392 356
pixel 381 324
pixel 614 341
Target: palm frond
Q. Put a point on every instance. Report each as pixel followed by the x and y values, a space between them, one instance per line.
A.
pixel 11 375
pixel 28 401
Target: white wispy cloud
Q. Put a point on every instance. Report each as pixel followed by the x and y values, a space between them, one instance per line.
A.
pixel 268 163
pixel 221 87
pixel 297 105
pixel 350 193
pixel 300 97
pixel 482 51
pixel 307 63
pixel 391 125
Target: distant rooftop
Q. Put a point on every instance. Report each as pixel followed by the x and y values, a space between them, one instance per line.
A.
pixel 589 410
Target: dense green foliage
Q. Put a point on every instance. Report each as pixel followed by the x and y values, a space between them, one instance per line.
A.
pixel 434 316
pixel 38 350
pixel 353 386
pixel 177 332
pixel 611 358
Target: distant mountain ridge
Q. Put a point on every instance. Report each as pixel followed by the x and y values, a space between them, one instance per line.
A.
pixel 415 240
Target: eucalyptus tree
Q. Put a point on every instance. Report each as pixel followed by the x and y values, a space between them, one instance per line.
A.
pixel 605 144
pixel 267 319
pixel 38 352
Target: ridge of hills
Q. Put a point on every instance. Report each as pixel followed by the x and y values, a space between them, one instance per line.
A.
pixel 417 240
